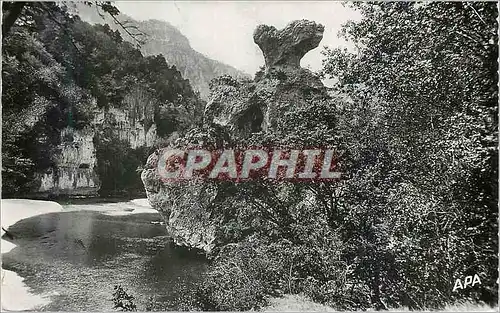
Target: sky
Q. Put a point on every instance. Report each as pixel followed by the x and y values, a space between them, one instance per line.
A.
pixel 223 30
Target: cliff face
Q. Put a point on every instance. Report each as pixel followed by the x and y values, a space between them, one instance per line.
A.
pixel 75 164
pixel 191 209
pixel 80 119
pixel 74 172
pixel 79 162
pixel 127 128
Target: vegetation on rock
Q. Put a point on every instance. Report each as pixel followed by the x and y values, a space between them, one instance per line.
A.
pixel 160 37
pixel 416 122
pixel 414 118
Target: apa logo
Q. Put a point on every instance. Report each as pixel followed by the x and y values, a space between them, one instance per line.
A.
pixel 469 281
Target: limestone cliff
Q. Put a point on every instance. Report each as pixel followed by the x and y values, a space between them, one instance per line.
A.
pixel 241 108
pixel 81 118
pixel 74 172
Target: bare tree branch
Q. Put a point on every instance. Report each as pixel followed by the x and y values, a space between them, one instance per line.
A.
pixel 64 28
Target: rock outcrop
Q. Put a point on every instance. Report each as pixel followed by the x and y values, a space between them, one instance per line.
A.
pixel 241 108
pixel 286 47
pixel 74 172
pixel 75 128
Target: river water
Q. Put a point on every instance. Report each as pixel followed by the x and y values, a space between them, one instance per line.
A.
pixel 77 256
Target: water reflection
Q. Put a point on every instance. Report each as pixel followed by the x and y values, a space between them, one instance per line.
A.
pixel 80 255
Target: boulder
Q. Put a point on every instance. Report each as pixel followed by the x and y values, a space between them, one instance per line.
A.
pixel 240 107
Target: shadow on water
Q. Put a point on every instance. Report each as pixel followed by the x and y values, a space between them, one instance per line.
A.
pixel 79 256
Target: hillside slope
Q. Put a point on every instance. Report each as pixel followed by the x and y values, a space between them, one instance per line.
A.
pixel 163 38
pixel 80 114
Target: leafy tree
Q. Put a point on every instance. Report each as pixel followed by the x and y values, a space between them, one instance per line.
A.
pixel 424 90
pixel 26 14
pixel 59 71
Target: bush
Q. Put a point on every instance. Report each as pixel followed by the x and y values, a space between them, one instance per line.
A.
pixel 122 300
pixel 238 279
pixel 244 274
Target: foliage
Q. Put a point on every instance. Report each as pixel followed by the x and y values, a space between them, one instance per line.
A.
pixel 272 240
pixel 122 300
pixel 228 286
pixel 26 14
pixel 424 100
pixel 59 72
pixel 117 166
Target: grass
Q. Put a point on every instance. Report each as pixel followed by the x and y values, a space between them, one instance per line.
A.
pixel 470 307
pixel 295 303
pixel 300 303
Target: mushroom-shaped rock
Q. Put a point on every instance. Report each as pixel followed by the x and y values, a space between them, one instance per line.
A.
pixel 286 47
pixel 194 211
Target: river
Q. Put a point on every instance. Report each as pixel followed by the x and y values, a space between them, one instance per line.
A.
pixel 78 255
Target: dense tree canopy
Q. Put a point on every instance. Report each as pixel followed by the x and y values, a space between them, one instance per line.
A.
pixel 415 117
pixel 422 129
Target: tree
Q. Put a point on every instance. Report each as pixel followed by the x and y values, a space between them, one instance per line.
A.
pixel 423 84
pixel 24 13
pixel 57 71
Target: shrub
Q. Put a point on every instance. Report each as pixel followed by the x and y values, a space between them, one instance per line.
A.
pixel 122 300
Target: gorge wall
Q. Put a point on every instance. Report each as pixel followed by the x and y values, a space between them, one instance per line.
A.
pixel 238 109
pixel 75 169
pixel 163 38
